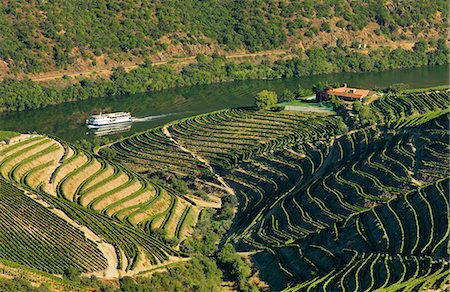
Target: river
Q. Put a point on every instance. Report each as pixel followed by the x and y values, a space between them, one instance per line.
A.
pixel 67 120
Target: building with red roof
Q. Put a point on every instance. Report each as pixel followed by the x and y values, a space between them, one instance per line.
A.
pixel 346 93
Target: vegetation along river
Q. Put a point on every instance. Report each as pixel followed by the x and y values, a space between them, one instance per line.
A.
pixel 67 120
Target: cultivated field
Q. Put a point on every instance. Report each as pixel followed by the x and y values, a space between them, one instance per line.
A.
pixel 121 207
pixel 358 211
pixel 318 208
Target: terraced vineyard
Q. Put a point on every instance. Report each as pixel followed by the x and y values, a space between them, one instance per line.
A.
pixel 32 235
pixel 120 206
pixel 10 269
pixel 370 204
pixel 220 139
pixel 398 245
pixel 318 209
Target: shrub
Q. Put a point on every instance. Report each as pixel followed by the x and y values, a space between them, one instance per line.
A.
pixel 266 99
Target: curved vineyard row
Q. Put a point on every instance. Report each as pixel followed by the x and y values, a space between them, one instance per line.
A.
pixel 75 180
pixel 365 237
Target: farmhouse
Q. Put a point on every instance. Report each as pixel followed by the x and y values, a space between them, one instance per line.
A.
pixel 346 93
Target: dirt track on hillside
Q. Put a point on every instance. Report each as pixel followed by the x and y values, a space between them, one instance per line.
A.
pixel 107 72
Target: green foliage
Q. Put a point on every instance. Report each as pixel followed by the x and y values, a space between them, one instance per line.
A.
pixel 198 274
pixel 286 95
pixel 341 126
pixel 72 273
pixel 20 285
pixel 357 106
pixel 420 46
pixel 335 101
pixel 265 99
pixel 302 92
pixel 324 85
pixel 325 27
pixel 234 266
pixel 366 115
pixel 210 228
pixel 25 94
pixel 38 33
pixel 397 87
pixel 7 135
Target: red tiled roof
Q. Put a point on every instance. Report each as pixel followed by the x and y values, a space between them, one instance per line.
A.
pixel 348 92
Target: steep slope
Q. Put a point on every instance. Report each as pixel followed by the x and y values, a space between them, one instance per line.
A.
pixel 42 36
pixel 122 208
pixel 303 185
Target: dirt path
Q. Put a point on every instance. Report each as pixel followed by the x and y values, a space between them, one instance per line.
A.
pixel 179 61
pixel 222 181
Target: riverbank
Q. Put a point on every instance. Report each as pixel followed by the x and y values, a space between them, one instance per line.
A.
pixel 66 120
pixel 18 95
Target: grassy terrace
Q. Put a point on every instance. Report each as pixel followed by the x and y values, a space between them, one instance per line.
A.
pixel 118 205
pixel 6 135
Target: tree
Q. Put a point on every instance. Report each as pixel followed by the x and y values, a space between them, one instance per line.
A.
pixel 342 127
pixel 336 102
pixel 265 99
pixel 72 273
pixel 357 106
pixel 366 116
pixel 287 95
pixel 302 92
pixel 420 46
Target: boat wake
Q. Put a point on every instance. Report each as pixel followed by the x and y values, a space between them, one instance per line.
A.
pixel 149 118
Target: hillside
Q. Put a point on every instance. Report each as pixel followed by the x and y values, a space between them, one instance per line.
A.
pixel 117 206
pixel 313 199
pixel 345 199
pixel 43 36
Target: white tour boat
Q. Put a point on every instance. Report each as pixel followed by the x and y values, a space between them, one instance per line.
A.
pixel 96 121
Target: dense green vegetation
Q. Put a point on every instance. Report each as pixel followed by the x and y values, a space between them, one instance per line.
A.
pixel 39 34
pixel 7 135
pixel 34 236
pixel 266 99
pixel 26 94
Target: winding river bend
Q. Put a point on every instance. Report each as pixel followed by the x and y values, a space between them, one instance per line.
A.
pixel 157 108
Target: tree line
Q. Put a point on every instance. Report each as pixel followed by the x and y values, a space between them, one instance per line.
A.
pixel 41 34
pixel 18 95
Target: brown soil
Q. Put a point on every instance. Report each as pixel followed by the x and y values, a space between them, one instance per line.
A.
pixel 187 229
pixel 115 183
pixel 144 197
pixel 44 174
pixel 105 72
pixel 123 214
pixel 14 140
pixel 102 204
pixel 215 202
pixel 71 185
pixel 161 205
pixel 175 218
pixel 9 165
pixel 3 146
pixel 65 170
pixel 107 172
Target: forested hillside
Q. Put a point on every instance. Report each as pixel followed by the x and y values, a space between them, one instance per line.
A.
pixel 38 36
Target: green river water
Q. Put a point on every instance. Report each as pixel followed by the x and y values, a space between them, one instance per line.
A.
pixel 67 120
